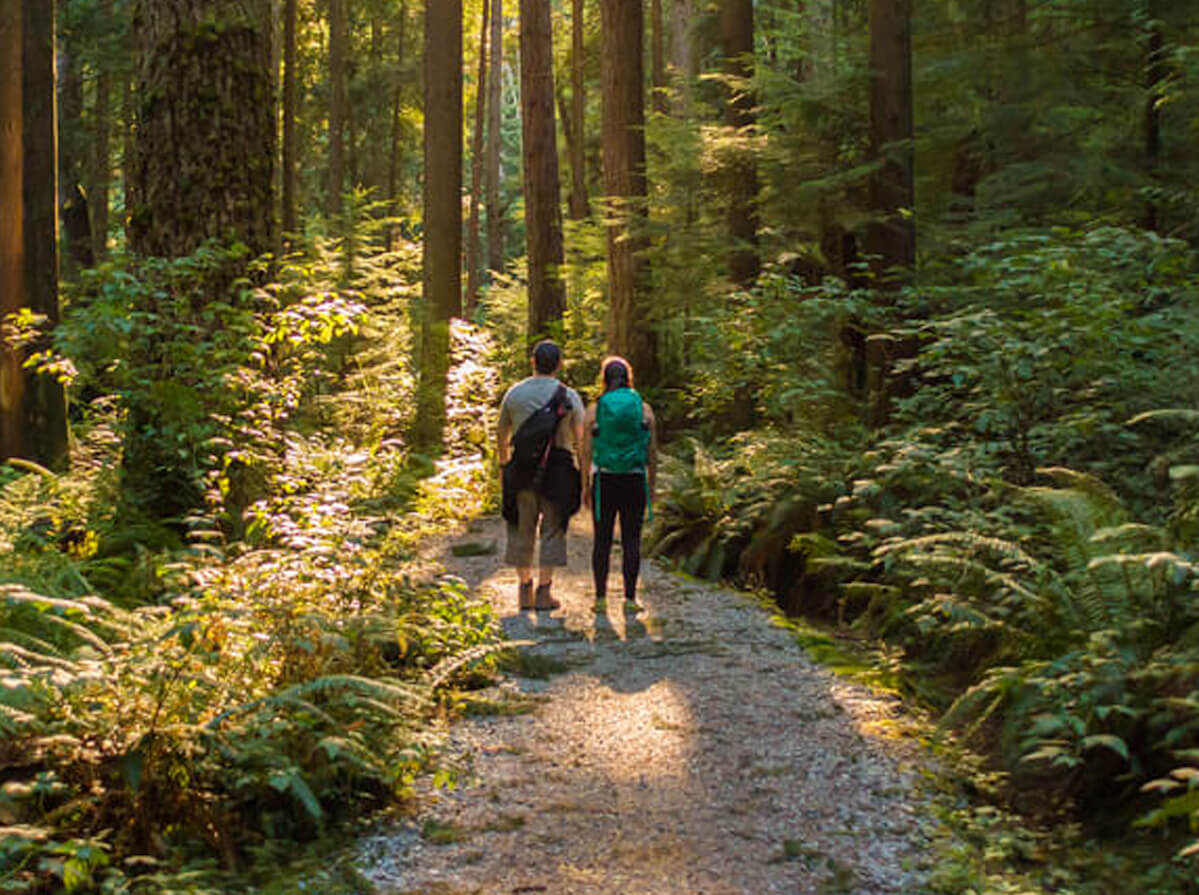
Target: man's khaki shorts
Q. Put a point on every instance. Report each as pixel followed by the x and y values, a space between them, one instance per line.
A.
pixel 531 509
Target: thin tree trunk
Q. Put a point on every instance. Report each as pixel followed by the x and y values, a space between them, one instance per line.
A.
pixel 543 211
pixel 1155 75
pixel 101 176
pixel 442 244
pixel 579 208
pixel 737 37
pixel 337 107
pixel 12 225
pixel 495 140
pixel 290 222
pixel 623 101
pixel 397 108
pixel 657 57
pixel 476 171
pixel 72 200
pixel 891 237
pixel 682 55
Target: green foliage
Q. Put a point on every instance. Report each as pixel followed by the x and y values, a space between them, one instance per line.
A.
pixel 1021 534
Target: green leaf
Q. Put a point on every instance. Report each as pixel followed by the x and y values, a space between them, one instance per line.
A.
pixel 1107 741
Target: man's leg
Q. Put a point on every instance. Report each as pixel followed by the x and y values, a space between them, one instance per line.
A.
pixel 552 553
pixel 521 541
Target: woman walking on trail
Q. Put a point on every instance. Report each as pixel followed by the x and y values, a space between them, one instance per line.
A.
pixel 620 466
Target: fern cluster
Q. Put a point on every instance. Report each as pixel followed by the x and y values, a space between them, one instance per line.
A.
pixel 1023 527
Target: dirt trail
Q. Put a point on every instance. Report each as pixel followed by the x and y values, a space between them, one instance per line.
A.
pixel 691 749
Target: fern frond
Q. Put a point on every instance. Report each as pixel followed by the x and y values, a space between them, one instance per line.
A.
pixel 975 542
pixel 440 673
pixel 20 657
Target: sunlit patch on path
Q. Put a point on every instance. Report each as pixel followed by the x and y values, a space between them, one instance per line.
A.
pixel 689 749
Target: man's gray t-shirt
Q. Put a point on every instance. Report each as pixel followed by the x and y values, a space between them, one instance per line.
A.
pixel 530 395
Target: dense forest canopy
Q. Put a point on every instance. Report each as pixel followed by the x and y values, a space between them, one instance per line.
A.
pixel 913 288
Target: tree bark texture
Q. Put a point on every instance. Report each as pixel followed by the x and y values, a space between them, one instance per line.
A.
pixel 737 46
pixel 337 106
pixel 623 102
pixel 12 225
pixel 543 210
pixel 579 207
pixel 202 160
pixel 33 418
pixel 442 244
pixel 891 237
pixel 72 150
pixel 476 170
pixel 682 54
pixel 496 253
pixel 100 178
pixel 657 57
pixel 288 180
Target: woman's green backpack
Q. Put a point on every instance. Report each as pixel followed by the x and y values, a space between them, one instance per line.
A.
pixel 620 440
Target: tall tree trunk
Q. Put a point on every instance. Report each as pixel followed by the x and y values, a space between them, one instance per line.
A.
pixel 682 54
pixel 73 204
pixel 496 253
pixel 337 107
pixel 476 170
pixel 891 237
pixel 623 101
pixel 33 417
pixel 397 109
pixel 579 208
pixel 288 184
pixel 737 39
pixel 543 211
pixel 658 57
pixel 442 245
pixel 205 133
pixel 101 173
pixel 1155 76
pixel 12 226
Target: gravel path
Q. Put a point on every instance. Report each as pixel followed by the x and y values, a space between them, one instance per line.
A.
pixel 691 749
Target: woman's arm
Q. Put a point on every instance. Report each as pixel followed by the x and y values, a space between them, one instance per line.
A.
pixel 651 464
pixel 585 453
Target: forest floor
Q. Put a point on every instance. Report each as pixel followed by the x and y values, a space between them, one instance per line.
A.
pixel 693 748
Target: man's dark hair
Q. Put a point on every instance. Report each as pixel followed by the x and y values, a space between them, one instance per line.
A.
pixel 546 357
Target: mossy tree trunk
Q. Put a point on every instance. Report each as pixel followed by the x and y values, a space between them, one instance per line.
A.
pixel 203 155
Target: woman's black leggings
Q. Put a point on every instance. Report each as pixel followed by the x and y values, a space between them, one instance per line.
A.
pixel 624 495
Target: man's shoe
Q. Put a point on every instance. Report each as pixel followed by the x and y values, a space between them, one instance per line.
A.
pixel 543 601
pixel 600 607
pixel 632 607
pixel 525 598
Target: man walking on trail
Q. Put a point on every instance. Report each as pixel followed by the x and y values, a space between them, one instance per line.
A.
pixel 540 435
